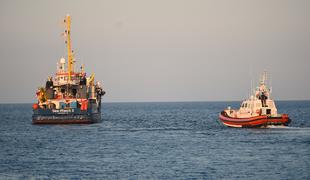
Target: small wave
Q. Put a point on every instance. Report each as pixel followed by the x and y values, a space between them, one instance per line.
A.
pixel 282 129
pixel 288 127
pixel 277 127
pixel 150 129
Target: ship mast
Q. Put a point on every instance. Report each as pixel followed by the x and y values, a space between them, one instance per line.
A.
pixel 68 42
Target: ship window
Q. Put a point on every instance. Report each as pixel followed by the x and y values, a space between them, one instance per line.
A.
pixel 74 91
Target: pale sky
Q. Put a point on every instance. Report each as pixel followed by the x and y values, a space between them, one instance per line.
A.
pixel 159 50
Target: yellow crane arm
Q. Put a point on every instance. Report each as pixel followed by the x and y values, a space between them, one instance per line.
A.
pixel 90 80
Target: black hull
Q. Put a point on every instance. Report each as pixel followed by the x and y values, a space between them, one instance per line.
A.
pixel 67 119
pixel 67 116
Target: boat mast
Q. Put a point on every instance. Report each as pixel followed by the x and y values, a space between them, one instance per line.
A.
pixel 68 42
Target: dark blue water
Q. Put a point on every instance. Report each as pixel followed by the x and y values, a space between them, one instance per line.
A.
pixel 154 141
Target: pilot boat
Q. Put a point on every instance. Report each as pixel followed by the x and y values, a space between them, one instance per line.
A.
pixel 257 111
pixel 70 97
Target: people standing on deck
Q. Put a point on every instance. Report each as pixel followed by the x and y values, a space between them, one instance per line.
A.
pixel 263 98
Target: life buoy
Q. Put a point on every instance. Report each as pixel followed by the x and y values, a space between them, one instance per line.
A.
pixel 51 106
pixel 259 111
pixel 84 104
pixel 35 106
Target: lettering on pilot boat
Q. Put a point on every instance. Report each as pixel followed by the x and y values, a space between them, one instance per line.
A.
pixel 63 110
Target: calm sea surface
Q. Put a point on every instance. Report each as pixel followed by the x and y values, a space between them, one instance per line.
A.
pixel 154 141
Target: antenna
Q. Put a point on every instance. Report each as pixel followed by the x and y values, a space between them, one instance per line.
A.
pixel 270 85
pixel 251 85
pixel 263 78
pixel 251 75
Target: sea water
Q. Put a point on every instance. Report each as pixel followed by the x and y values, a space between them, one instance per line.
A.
pixel 181 140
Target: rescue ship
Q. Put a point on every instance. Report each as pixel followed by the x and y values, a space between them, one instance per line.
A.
pixel 257 111
pixel 70 97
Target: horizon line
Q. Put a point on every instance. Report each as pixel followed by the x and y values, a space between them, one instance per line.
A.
pixel 184 101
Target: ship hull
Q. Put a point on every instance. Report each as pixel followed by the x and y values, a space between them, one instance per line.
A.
pixel 256 121
pixel 65 117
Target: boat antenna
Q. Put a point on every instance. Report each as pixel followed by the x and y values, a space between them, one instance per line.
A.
pixel 251 71
pixel 67 20
pixel 270 86
pixel 251 87
pixel 265 77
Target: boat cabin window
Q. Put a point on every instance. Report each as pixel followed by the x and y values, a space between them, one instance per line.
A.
pixel 74 91
pixel 244 105
pixel 62 90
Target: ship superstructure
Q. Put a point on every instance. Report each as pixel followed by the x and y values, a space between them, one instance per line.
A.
pixel 70 96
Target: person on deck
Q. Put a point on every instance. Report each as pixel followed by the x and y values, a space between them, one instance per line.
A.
pixel 263 98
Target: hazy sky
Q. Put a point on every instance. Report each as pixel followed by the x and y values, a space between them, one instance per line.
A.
pixel 159 50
